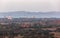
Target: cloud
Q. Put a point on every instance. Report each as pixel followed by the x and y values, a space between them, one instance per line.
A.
pixel 29 5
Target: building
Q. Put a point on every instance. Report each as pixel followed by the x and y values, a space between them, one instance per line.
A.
pixel 56 34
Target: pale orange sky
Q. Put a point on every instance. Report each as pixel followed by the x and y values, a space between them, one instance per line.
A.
pixel 29 5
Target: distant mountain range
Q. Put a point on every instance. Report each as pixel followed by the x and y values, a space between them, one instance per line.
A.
pixel 18 14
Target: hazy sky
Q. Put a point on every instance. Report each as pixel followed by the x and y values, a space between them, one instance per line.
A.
pixel 29 5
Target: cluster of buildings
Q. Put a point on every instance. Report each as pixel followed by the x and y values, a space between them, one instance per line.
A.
pixel 32 28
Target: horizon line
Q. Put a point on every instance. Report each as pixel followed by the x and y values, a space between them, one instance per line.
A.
pixel 28 11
